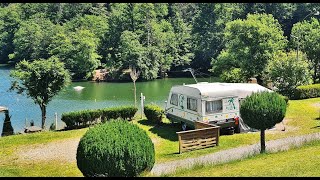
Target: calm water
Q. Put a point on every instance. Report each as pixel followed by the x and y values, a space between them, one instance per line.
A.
pixel 93 96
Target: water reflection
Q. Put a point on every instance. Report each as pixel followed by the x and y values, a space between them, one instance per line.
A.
pixel 92 96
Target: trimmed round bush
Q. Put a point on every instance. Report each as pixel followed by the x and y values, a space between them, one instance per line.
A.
pixel 263 110
pixel 116 148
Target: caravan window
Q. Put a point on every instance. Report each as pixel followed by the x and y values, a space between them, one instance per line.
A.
pixel 192 104
pixel 213 106
pixel 174 99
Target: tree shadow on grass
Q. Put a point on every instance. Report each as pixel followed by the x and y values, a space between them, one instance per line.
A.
pixel 164 130
pixel 315 127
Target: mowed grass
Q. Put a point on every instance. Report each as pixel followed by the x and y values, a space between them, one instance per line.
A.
pixel 298 162
pixel 11 166
pixel 301 118
pixel 41 169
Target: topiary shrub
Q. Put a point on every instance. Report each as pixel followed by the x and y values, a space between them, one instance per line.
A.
pixel 307 91
pixel 115 148
pixel 127 112
pixel 286 98
pixel 262 111
pixel 153 113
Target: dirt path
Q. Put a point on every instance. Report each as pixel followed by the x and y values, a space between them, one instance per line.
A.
pixel 59 150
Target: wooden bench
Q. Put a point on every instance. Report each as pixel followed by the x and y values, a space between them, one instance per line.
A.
pixel 205 135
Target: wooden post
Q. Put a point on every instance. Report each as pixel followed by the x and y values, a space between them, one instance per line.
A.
pixel 180 144
pixel 141 99
pixel 56 122
pixel 218 134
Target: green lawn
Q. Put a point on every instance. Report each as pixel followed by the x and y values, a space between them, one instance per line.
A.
pixel 298 162
pixel 301 119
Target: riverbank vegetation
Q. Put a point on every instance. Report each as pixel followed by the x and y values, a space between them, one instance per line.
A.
pixel 159 38
pixel 300 119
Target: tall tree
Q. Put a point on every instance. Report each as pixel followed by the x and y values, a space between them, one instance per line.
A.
pixel 287 72
pixel 308 38
pixel 283 12
pixel 131 52
pixel 182 41
pixel 10 18
pixel 33 38
pixel 207 31
pixel 78 50
pixel 96 24
pixel 253 42
pixel 41 80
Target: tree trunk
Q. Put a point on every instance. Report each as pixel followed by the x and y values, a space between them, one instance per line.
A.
pixel 315 75
pixel 43 114
pixel 262 141
pixel 135 94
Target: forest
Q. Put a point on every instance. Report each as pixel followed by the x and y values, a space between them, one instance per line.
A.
pixel 234 41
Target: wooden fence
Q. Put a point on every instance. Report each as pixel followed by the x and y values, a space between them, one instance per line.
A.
pixel 204 135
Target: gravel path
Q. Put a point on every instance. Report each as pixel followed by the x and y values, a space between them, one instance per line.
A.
pixel 60 150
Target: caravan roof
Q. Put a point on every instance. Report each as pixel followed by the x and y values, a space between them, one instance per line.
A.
pixel 214 90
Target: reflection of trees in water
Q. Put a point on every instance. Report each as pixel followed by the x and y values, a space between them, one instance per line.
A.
pixel 7 127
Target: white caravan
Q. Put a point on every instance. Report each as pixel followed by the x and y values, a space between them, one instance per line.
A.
pixel 214 103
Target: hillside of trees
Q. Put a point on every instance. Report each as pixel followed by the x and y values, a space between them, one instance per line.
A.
pixel 235 41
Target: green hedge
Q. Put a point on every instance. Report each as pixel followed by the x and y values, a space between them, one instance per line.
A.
pixel 84 118
pixel 286 98
pixel 116 148
pixel 153 113
pixel 307 91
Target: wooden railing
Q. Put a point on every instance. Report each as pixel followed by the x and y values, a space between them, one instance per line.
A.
pixel 205 135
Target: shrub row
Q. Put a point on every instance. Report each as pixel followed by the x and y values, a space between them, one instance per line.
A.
pixel 307 91
pixel 85 118
pixel 153 113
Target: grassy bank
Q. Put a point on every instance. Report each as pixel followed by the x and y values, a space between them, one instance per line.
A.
pixel 301 118
pixel 298 162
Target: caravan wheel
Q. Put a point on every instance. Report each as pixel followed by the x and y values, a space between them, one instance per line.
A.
pixel 183 126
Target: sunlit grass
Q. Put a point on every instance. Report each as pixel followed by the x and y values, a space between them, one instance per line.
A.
pixel 301 117
pixel 298 162
pixel 40 169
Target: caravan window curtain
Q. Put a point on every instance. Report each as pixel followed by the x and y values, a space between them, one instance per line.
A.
pixel 174 99
pixel 192 104
pixel 213 106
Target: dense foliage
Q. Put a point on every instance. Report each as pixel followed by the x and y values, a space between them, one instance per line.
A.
pixel 252 42
pixel 158 37
pixel 262 111
pixel 41 80
pixel 153 113
pixel 307 91
pixel 307 37
pixel 84 118
pixel 116 148
pixel 287 72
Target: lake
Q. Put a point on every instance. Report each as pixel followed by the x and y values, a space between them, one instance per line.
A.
pixel 93 96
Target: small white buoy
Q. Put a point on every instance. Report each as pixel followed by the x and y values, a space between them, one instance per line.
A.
pixel 78 88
